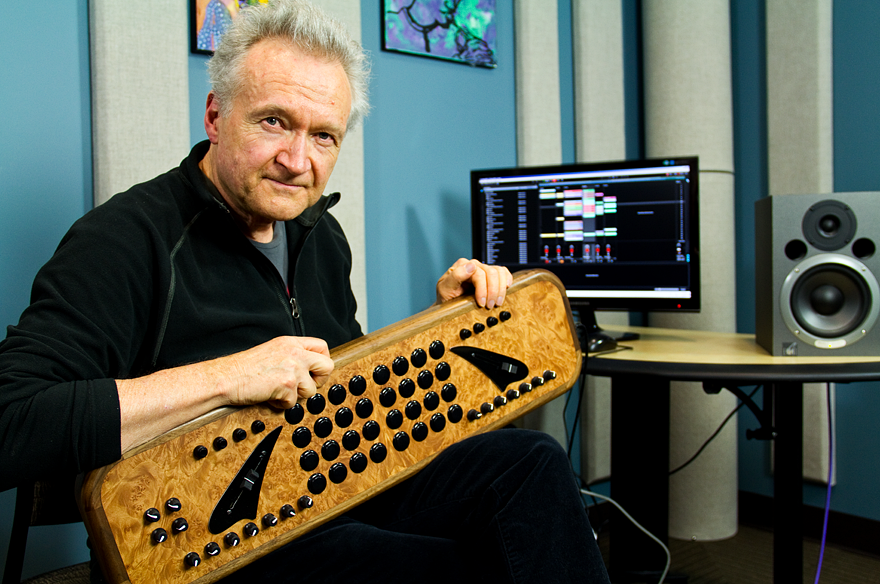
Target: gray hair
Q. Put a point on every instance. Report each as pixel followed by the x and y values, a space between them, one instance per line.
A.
pixel 301 24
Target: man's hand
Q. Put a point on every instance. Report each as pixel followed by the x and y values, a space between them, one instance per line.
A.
pixel 278 372
pixel 489 284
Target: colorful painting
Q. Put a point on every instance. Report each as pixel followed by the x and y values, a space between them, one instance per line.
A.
pixel 462 31
pixel 210 19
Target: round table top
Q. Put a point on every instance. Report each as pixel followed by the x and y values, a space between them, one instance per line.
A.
pixel 687 355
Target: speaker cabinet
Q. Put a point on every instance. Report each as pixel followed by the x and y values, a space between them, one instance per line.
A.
pixel 816 274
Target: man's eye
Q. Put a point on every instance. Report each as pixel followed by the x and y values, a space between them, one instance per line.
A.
pixel 324 136
pixel 272 121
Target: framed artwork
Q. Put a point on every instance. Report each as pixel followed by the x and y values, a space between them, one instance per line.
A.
pixel 462 31
pixel 210 19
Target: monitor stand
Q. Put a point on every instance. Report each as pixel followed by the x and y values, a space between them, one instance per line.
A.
pixel 588 319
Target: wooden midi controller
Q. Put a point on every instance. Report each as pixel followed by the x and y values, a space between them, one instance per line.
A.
pixel 213 495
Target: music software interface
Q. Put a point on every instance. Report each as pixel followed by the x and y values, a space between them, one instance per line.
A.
pixel 624 231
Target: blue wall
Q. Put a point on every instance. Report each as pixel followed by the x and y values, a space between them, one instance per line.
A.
pixel 45 183
pixel 433 122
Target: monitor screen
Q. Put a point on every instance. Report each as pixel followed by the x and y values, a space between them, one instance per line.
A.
pixel 620 235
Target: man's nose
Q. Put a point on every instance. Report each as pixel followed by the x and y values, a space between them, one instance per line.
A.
pixel 294 155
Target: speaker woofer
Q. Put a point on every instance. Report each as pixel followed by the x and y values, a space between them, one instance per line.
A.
pixel 830 300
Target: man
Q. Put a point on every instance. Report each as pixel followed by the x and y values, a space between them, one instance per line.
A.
pixel 224 282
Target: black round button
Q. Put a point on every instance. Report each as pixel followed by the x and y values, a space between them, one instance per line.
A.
pixel 239 434
pixel 250 529
pixel 387 397
pixel 330 450
pixel 200 452
pixel 413 409
pixel 401 441
pixel 337 473
pixel 357 385
pixel 212 549
pixel 549 374
pixel 364 408
pixel 378 452
pixel 323 427
pixel 512 394
pixel 231 539
pixel 432 401
pixel 486 408
pixel 358 462
pixel 351 440
pixel 479 327
pixel 219 443
pixel 381 375
pixel 449 392
pixel 295 414
pixel 179 525
pixel 419 431
pixel 491 321
pixel 173 505
pixel 406 387
pixel 400 365
pixel 418 358
pixel 305 502
pixel 371 430
pixel 465 334
pixel 317 483
pixel 192 559
pixel 438 422
pixel 525 387
pixel 257 426
pixel 309 460
pixel 394 419
pixel 159 535
pixel 344 417
pixel 455 413
pixel 425 379
pixel 301 437
pixel 287 511
pixel 473 415
pixel 269 520
pixel 442 371
pixel 152 515
pixel 316 404
pixel 499 401
pixel 436 349
pixel 537 381
pixel 505 315
pixel 336 394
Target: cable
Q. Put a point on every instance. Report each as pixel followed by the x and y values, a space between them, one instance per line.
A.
pixel 830 475
pixel 712 437
pixel 637 524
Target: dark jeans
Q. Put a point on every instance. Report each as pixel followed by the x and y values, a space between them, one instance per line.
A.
pixel 498 507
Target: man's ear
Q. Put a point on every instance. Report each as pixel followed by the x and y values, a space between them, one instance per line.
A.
pixel 212 118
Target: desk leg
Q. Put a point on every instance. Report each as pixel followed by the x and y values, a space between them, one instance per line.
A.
pixel 639 475
pixel 788 494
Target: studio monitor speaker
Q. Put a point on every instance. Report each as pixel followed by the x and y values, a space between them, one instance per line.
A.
pixel 816 274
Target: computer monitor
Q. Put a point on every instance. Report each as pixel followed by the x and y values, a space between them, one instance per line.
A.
pixel 619 235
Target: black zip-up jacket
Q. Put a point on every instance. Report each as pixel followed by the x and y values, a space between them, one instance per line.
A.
pixel 158 276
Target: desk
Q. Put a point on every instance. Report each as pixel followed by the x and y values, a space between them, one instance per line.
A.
pixel 640 468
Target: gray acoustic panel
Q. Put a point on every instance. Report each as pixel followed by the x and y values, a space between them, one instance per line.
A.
pixel 816 270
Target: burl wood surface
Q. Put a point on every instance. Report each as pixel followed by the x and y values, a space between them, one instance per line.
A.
pixel 539 333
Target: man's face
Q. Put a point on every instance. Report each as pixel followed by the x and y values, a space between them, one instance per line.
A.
pixel 272 155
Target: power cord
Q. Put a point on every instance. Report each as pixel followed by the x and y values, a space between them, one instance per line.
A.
pixel 638 525
pixel 830 475
pixel 714 434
